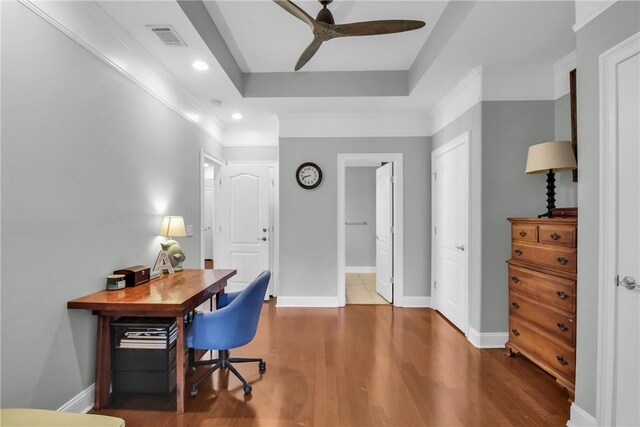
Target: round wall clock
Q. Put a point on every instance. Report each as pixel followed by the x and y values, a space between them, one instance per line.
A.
pixel 309 175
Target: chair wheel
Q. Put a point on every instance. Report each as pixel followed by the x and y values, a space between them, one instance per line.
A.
pixel 194 392
pixel 247 389
pixel 262 366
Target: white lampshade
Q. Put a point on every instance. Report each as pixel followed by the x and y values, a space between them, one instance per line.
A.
pixel 173 226
pixel 554 155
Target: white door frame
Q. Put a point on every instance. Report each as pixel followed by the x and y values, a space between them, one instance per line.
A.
pixel 609 61
pixel 360 159
pixel 454 143
pixel 274 219
pixel 204 156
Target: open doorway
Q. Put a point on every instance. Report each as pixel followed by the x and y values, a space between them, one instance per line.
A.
pixel 369 229
pixel 209 172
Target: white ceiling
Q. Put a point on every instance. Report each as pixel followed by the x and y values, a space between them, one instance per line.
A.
pixel 495 34
pixel 263 37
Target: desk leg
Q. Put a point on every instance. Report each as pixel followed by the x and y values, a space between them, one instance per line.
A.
pixel 180 366
pixel 219 294
pixel 103 363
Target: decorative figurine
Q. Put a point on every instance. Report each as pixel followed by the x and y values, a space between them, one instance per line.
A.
pixel 176 256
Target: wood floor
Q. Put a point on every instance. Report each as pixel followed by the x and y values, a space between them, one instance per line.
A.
pixel 363 366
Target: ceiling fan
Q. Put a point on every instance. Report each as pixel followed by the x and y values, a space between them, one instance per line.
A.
pixel 324 27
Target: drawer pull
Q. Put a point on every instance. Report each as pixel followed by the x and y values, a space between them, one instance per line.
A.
pixel 562 360
pixel 555 236
pixel 523 233
pixel 562 295
pixel 515 305
pixel 562 327
pixel 515 332
pixel 518 252
pixel 515 279
pixel 562 260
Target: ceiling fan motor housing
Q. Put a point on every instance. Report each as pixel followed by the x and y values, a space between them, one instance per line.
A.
pixel 325 15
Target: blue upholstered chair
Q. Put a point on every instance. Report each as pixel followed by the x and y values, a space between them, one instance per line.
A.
pixel 229 327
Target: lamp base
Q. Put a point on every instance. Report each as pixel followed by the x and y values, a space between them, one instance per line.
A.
pixel 551 194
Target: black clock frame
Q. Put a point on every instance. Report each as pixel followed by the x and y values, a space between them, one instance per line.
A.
pixel 309 187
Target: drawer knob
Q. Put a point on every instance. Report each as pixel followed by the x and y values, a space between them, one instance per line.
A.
pixel 518 252
pixel 562 260
pixel 515 305
pixel 515 332
pixel 562 295
pixel 555 236
pixel 523 233
pixel 562 360
pixel 515 279
pixel 562 327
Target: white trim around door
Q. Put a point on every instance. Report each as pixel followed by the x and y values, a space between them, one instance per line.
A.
pixel 609 62
pixel 204 156
pixel 461 140
pixel 362 159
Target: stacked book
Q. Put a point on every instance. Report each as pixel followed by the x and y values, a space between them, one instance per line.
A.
pixel 149 337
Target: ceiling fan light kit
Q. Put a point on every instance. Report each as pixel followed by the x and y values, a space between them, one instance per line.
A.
pixel 324 27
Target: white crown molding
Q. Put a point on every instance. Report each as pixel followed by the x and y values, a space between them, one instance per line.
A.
pixel 463 96
pixel 332 125
pixel 307 302
pixel 580 418
pixel 81 403
pixel 416 302
pixel 64 17
pixel 561 75
pixel 487 339
pixel 517 83
pixel 588 10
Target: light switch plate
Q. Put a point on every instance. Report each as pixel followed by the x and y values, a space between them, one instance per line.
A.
pixel 189 229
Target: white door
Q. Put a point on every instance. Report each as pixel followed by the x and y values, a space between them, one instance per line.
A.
pixel 208 223
pixel 244 222
pixel 384 231
pixel 450 218
pixel 627 352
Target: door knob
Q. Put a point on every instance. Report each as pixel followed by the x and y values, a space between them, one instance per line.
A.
pixel 264 239
pixel 629 283
pixel 461 247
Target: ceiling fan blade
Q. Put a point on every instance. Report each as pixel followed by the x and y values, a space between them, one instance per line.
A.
pixel 308 53
pixel 296 11
pixel 372 28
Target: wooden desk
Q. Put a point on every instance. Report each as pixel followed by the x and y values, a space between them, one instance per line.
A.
pixel 172 295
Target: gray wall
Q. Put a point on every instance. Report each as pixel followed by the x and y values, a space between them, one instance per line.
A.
pixel 508 129
pixel 470 121
pixel 360 206
pixel 241 154
pixel 308 218
pixel 614 25
pixel 90 163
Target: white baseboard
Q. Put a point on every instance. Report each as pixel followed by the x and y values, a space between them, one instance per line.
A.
pixel 359 269
pixel 284 301
pixel 416 302
pixel 580 418
pixel 82 402
pixel 487 339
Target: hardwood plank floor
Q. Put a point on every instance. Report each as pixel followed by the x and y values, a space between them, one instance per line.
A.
pixel 363 366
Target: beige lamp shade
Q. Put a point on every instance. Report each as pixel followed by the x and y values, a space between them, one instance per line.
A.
pixel 555 155
pixel 173 226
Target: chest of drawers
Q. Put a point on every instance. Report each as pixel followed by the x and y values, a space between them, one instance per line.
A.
pixel 542 295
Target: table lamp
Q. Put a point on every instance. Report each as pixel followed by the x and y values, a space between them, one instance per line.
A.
pixel 549 158
pixel 172 226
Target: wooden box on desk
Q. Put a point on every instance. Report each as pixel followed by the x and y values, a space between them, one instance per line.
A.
pixel 136 275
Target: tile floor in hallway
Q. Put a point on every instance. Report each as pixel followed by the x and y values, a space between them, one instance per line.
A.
pixel 361 289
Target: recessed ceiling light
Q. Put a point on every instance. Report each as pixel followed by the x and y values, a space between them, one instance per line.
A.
pixel 236 116
pixel 200 65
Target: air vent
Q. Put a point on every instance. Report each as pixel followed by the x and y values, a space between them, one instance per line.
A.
pixel 167 34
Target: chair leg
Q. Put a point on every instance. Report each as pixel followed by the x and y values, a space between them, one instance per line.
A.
pixel 194 386
pixel 245 385
pixel 243 360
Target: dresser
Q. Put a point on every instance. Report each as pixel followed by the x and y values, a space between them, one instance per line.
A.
pixel 542 295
